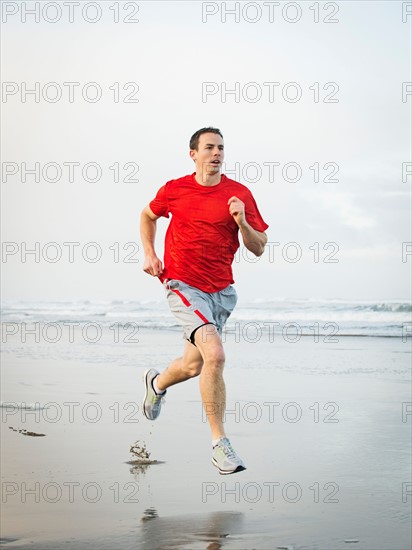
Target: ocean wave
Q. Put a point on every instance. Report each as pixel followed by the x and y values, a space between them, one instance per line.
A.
pixel 353 317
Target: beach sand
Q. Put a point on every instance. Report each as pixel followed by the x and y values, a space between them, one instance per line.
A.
pixel 324 429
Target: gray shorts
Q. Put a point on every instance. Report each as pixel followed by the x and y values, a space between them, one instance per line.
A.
pixel 194 308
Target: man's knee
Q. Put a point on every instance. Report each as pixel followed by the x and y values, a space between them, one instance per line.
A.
pixel 214 355
pixel 209 344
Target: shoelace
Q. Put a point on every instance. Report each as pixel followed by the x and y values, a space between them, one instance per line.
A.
pixel 158 399
pixel 228 449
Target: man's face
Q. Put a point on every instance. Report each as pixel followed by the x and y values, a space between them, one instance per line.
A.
pixel 209 155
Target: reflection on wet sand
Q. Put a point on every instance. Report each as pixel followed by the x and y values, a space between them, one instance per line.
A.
pixel 185 531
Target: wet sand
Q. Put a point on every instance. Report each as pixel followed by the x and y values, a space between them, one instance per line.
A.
pixel 323 429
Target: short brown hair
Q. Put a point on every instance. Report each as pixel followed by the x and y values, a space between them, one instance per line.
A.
pixel 194 140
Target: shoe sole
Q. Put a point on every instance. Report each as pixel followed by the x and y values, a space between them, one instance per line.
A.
pixel 145 395
pixel 225 472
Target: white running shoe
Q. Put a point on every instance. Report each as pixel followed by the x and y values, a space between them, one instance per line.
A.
pixel 152 402
pixel 225 459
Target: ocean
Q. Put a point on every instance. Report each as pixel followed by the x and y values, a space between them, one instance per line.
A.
pixel 293 318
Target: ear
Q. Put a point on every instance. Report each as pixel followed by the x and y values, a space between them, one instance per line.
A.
pixel 192 154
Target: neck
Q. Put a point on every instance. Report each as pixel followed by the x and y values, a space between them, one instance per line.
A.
pixel 208 180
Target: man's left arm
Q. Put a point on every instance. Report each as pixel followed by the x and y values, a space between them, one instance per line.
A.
pixel 254 240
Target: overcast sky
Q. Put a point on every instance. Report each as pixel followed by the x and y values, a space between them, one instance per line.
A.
pixel 310 94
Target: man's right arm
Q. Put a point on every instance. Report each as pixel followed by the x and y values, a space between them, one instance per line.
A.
pixel 148 221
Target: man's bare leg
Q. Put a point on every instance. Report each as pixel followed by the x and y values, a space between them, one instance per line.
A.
pixel 207 358
pixel 181 369
pixel 212 385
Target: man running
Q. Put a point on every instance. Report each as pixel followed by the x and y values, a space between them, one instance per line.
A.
pixel 208 211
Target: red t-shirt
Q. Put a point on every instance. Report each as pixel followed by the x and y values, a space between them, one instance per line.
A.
pixel 202 237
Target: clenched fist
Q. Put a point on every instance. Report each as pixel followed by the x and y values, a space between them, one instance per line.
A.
pixel 152 265
pixel 237 210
